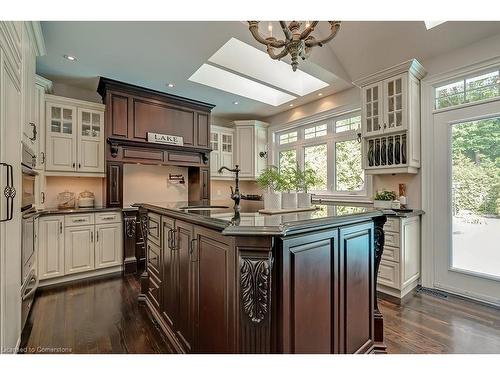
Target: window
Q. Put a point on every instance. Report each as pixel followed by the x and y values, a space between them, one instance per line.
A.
pixel 315 131
pixel 287 159
pixel 330 148
pixel 350 176
pixel 288 138
pixel 315 157
pixel 469 89
pixel 350 123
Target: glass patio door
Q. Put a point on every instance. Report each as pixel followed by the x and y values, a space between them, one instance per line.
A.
pixel 466 183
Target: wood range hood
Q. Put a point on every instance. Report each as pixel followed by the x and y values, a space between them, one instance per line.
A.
pixel 131 113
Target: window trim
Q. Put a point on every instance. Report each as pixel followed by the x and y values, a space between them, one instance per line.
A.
pixel 330 139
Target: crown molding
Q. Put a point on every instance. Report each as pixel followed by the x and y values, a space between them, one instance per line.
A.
pixel 43 82
pixel 412 66
pixel 35 31
pixel 74 102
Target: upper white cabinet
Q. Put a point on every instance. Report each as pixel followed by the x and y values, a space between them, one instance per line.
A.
pixel 390 119
pixel 32 46
pixel 42 86
pixel 74 136
pixel 222 144
pixel 251 148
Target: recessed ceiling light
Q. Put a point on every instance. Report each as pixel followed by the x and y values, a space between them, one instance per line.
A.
pixel 171 85
pixel 320 94
pixel 70 58
pixel 236 102
pixel 290 105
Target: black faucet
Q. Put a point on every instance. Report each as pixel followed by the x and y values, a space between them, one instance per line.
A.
pixel 236 196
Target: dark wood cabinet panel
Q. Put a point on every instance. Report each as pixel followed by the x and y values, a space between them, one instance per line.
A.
pixel 309 299
pixel 186 284
pixel 154 117
pixel 356 279
pixel 215 269
pixel 142 154
pixel 170 274
pixel 114 184
pixel 117 115
pixel 203 130
pixel 205 183
pixel 154 262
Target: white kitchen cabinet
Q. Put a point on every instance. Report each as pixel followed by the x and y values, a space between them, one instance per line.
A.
pixel 222 144
pixel 74 136
pixel 50 247
pixel 30 127
pixel 78 249
pixel 399 270
pixel 251 148
pixel 108 245
pixel 390 119
pixel 42 86
pixel 82 243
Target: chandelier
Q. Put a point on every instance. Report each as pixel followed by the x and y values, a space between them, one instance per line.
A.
pixel 298 41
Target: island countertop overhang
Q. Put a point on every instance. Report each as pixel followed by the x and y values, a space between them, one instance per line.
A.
pixel 250 222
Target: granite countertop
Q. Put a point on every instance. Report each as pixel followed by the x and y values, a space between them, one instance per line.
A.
pixel 251 222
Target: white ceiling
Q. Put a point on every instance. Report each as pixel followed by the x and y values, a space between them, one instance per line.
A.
pixel 152 54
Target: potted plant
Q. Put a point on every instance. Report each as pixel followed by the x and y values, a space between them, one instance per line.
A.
pixel 306 179
pixel 384 198
pixel 289 187
pixel 271 180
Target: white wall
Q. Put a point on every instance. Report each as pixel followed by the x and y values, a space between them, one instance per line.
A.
pixel 346 97
pixel 149 183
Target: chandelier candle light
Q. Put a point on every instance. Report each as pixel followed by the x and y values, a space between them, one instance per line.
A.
pixel 298 41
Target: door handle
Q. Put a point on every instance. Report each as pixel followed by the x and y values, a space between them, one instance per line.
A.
pixel 191 249
pixel 9 192
pixel 97 236
pixel 60 227
pixel 34 131
pixel 91 236
pixel 43 196
pixel 43 157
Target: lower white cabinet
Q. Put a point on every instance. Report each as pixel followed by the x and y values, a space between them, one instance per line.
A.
pixel 108 245
pixel 399 269
pixel 50 247
pixel 73 244
pixel 79 249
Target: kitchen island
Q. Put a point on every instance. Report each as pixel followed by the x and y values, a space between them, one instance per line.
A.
pixel 220 281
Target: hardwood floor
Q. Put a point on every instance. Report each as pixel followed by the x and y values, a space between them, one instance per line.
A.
pixel 429 324
pixel 103 316
pixel 97 316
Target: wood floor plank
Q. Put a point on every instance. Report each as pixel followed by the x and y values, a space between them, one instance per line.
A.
pixel 103 316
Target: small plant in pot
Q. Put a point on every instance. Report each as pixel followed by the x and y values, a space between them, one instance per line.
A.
pixel 384 198
pixel 270 179
pixel 290 187
pixel 306 179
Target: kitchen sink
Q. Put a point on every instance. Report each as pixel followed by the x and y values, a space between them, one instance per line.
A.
pixel 202 208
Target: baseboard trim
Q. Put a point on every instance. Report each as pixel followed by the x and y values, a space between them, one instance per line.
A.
pixel 81 276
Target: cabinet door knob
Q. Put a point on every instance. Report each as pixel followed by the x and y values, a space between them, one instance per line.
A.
pixel 74 165
pixel 79 165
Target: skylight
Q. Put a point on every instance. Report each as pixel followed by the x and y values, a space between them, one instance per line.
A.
pixel 430 24
pixel 224 80
pixel 254 63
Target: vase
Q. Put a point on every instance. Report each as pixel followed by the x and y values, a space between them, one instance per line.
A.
pixel 382 204
pixel 303 200
pixel 288 201
pixel 272 200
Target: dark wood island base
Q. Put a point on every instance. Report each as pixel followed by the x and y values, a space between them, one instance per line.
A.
pixel 302 287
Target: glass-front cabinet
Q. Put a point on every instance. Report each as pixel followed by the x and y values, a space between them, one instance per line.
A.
pixel 74 135
pixel 61 137
pixel 222 144
pixel 391 119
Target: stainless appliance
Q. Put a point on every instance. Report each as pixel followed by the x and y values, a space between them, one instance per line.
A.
pixel 29 177
pixel 29 279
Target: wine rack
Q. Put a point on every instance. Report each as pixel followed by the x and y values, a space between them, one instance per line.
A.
pixel 386 151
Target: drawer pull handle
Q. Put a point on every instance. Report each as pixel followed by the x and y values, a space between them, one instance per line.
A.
pixel 108 218
pixel 78 220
